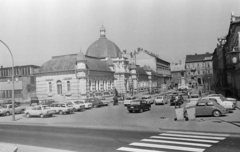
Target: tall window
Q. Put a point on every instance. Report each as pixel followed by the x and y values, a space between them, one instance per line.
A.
pixel 68 86
pixel 59 87
pixel 50 86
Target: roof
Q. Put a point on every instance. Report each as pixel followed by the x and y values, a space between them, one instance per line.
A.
pixel 198 57
pixel 67 63
pixel 102 48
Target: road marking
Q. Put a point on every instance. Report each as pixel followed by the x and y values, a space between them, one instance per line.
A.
pixel 168 147
pixel 186 139
pixel 201 137
pixel 175 142
pixel 137 150
pixel 197 133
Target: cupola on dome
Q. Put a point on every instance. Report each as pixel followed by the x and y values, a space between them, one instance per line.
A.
pixel 103 47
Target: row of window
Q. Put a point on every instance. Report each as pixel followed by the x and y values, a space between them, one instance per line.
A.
pixel 197 65
pixel 93 86
pixel 8 94
pixel 200 72
pixel 17 71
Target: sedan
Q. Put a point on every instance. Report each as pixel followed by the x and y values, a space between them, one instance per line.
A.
pixel 95 102
pixel 206 108
pixel 160 100
pixel 139 105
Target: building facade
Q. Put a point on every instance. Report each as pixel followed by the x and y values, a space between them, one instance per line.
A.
pixel 199 69
pixel 103 69
pixel 24 82
pixel 178 73
pixel 160 67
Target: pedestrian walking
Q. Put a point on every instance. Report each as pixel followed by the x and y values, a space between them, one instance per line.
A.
pixel 200 93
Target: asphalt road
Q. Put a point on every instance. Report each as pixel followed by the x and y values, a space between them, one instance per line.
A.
pixel 103 140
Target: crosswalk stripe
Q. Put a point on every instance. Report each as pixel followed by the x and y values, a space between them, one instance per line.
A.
pixel 197 133
pixel 168 147
pixel 190 136
pixel 137 150
pixel 175 142
pixel 185 139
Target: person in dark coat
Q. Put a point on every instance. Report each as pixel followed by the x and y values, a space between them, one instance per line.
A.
pixel 115 100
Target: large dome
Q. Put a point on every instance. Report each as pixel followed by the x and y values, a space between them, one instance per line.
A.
pixel 103 47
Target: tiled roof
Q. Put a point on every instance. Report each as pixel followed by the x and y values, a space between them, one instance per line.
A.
pixel 198 57
pixel 67 62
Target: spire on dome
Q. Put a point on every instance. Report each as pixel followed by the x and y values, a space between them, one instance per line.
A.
pixel 102 32
pixel 81 56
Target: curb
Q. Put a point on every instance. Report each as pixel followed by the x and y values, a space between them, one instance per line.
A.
pixel 200 131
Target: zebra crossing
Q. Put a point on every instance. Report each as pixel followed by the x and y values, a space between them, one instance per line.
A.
pixel 175 141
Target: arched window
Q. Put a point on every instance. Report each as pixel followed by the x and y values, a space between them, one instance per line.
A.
pixel 68 86
pixel 59 87
pixel 50 86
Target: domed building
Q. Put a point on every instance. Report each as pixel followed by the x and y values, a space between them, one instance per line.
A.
pixel 100 71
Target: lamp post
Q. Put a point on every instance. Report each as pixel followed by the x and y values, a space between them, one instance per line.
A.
pixel 13 104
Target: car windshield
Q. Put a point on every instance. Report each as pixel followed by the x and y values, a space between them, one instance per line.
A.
pixel 159 97
pixel 69 104
pixel 145 97
pixel 129 98
pixel 77 102
pixel 222 98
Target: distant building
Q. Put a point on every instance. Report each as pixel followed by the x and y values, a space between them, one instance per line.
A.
pixel 101 70
pixel 24 84
pixel 199 69
pixel 159 66
pixel 178 72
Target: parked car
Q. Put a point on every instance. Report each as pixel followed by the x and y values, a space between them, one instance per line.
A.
pixel 77 105
pixel 128 100
pixel 139 105
pixel 95 102
pixel 86 103
pixel 10 102
pixel 226 104
pixel 206 108
pixel 46 101
pixel 160 100
pixel 70 106
pixel 234 100
pixel 105 102
pixel 148 98
pixel 60 108
pixel 6 109
pixel 39 110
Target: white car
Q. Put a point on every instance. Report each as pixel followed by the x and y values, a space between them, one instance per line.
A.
pixel 128 100
pixel 226 104
pixel 40 110
pixel 234 100
pixel 160 100
pixel 88 105
pixel 148 98
pixel 77 105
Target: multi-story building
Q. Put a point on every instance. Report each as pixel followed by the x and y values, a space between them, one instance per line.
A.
pixel 102 69
pixel 178 73
pixel 24 82
pixel 159 66
pixel 231 51
pixel 199 69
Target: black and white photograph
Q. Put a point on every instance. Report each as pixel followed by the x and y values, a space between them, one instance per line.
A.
pixel 119 75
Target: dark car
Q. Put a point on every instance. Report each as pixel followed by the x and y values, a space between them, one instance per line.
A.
pixel 10 102
pixel 46 102
pixel 95 102
pixel 139 106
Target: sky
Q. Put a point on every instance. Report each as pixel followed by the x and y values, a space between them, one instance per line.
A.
pixel 36 30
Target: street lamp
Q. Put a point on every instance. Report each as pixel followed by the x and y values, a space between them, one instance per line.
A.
pixel 13 104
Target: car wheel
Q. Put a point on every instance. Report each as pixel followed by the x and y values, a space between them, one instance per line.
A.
pixel 149 108
pixel 61 112
pixel 130 111
pixel 7 113
pixel 28 115
pixel 140 110
pixel 41 115
pixel 156 104
pixel 216 113
pixel 22 111
pixel 95 106
pixel 74 110
pixel 50 115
